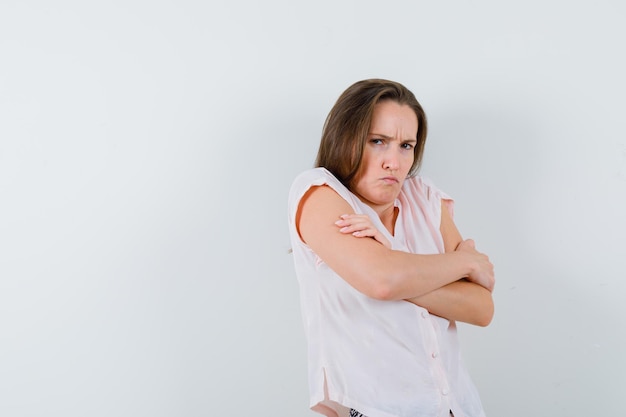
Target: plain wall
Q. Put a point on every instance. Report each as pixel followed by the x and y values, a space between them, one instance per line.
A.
pixel 146 152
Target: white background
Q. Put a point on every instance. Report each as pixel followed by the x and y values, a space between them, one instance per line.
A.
pixel 146 152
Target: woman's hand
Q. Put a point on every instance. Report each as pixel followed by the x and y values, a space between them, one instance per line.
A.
pixel 366 264
pixel 360 225
pixel 482 271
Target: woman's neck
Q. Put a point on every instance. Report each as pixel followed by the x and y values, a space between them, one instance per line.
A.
pixel 388 217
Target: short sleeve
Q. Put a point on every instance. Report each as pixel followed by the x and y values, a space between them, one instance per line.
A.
pixel 311 178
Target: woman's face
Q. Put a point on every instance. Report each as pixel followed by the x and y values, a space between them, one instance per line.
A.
pixel 387 155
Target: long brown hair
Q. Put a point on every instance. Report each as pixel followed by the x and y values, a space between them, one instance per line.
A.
pixel 348 123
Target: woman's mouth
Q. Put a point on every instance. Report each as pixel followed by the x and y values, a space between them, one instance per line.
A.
pixel 390 180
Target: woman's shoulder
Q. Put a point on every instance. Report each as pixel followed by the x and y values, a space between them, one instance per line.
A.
pixel 313 174
pixel 314 177
pixel 423 187
pixel 420 179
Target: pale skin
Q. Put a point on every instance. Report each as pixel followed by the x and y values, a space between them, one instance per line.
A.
pixel 456 284
pixel 460 306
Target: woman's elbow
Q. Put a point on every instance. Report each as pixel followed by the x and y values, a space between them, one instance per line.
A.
pixel 485 315
pixel 371 282
pixel 383 292
pixel 380 288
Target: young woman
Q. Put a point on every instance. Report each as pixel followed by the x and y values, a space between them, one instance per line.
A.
pixel 383 271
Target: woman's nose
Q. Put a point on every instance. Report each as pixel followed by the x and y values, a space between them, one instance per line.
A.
pixel 391 161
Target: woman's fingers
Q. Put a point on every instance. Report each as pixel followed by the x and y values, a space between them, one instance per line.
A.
pixel 360 225
pixel 350 223
pixel 483 271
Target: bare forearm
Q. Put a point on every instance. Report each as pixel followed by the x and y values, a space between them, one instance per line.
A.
pixel 403 275
pixel 460 301
pixel 372 268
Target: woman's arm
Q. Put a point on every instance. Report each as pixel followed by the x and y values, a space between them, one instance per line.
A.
pixel 372 268
pixel 461 300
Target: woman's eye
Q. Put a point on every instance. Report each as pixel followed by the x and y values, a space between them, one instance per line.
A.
pixel 407 145
pixel 377 141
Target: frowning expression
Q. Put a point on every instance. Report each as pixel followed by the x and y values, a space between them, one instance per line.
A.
pixel 388 154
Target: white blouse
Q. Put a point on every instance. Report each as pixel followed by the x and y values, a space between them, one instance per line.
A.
pixel 382 358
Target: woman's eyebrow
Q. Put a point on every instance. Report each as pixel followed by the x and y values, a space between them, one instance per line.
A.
pixel 391 137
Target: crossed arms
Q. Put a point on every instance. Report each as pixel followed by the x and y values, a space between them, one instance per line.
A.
pixel 455 285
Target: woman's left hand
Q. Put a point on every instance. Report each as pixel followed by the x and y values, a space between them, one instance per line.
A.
pixel 360 225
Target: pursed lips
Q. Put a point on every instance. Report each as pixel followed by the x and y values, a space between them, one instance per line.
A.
pixel 390 180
